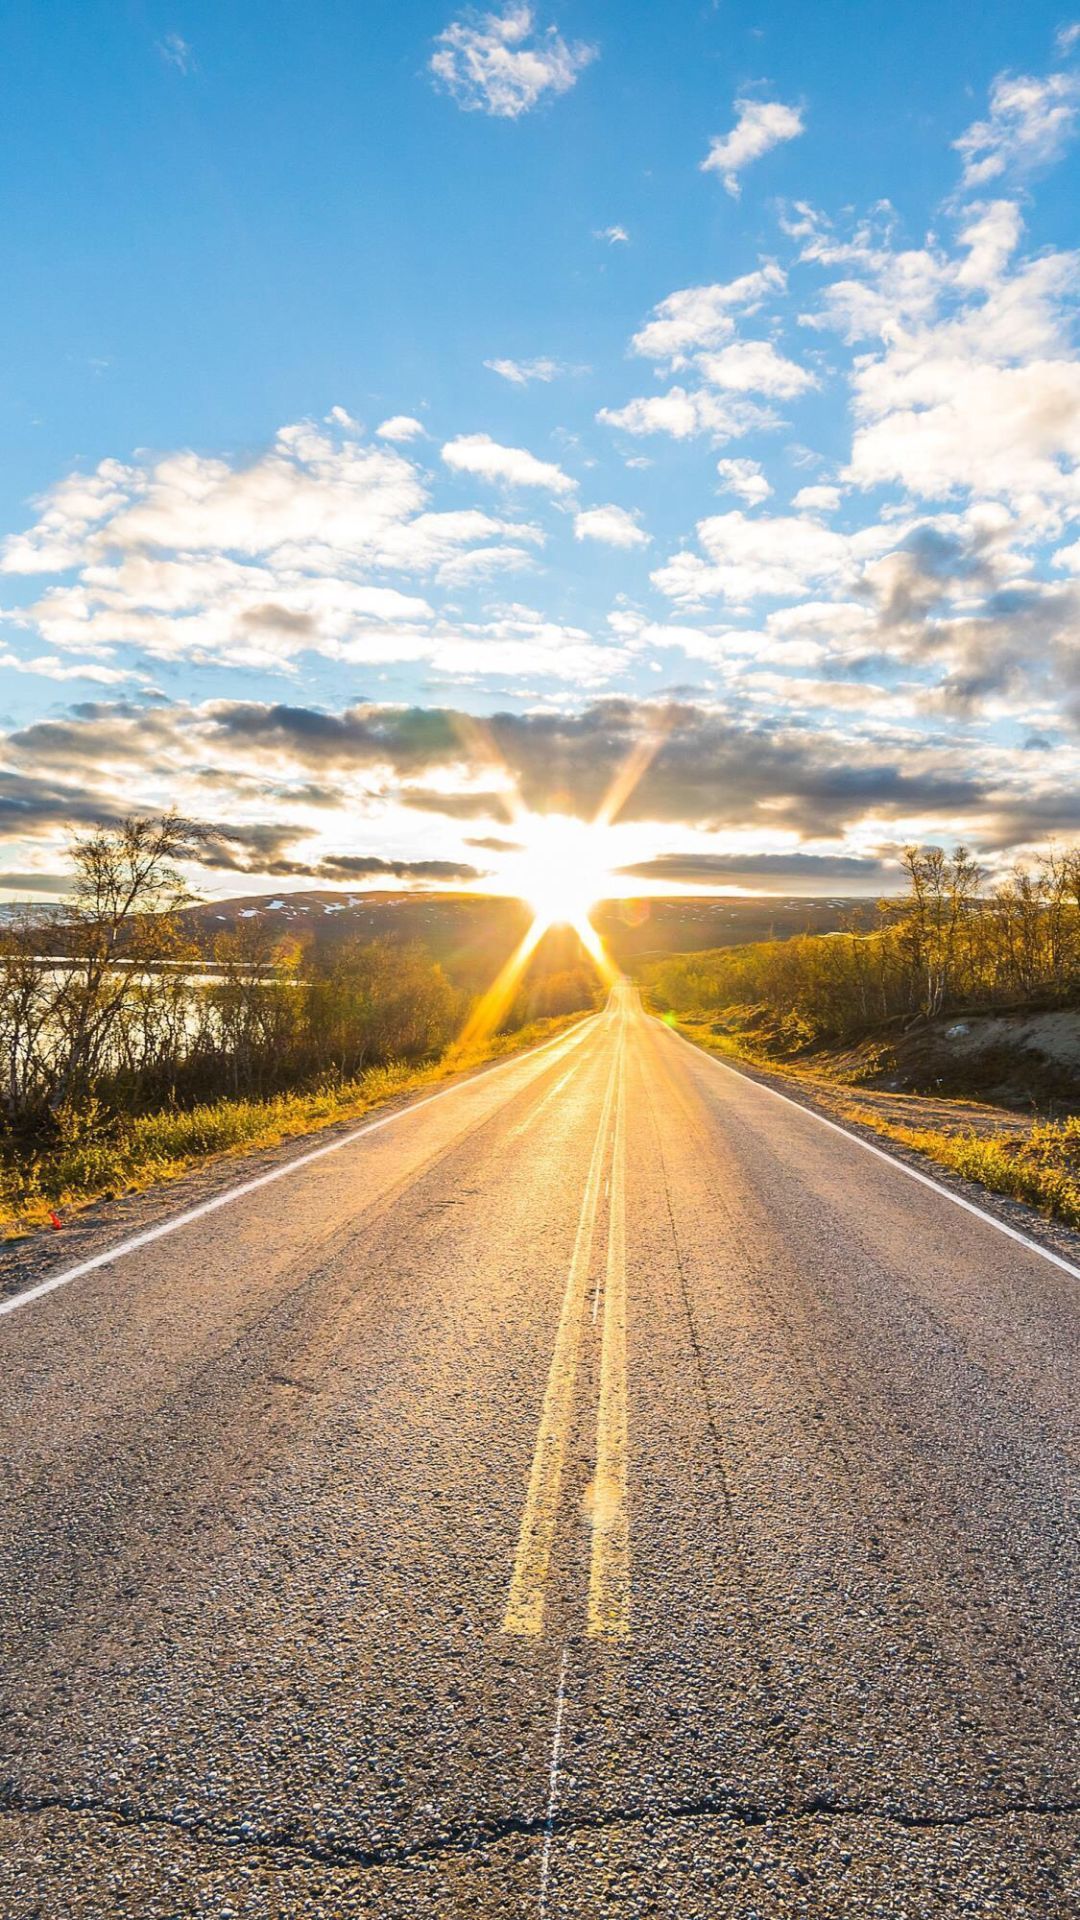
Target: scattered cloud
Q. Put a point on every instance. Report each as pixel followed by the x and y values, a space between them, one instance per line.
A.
pixel 714 772
pixel 401 427
pixel 50 666
pixel 821 499
pixel 754 366
pixel 520 372
pixel 697 317
pixel 744 477
pixel 760 126
pixel 54 883
pixel 478 453
pixel 742 558
pixel 176 52
pixel 1029 124
pixel 683 414
pixel 613 526
pixel 802 872
pixel 503 63
pixel 615 236
pixel 196 560
pixel 369 866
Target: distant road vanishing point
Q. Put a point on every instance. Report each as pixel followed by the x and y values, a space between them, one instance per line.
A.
pixel 598 1488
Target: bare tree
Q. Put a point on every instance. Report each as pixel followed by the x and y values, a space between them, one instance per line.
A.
pixel 127 891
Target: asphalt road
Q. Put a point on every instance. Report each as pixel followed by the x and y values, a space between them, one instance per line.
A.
pixel 603 1489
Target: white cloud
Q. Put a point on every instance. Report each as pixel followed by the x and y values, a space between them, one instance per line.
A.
pixel 176 52
pixel 761 125
pixel 502 63
pixel 775 557
pixel 482 563
pixel 1067 37
pixel 745 478
pixel 984 428
pixel 975 384
pixel 52 667
pixel 614 526
pixel 683 414
pixel 310 487
pixel 987 397
pixel 989 240
pixel 518 643
pixel 697 317
pixel 754 366
pixel 615 236
pixel 401 426
pixel 817 499
pixel 520 372
pixel 67 515
pixel 1029 123
pixel 194 559
pixel 478 453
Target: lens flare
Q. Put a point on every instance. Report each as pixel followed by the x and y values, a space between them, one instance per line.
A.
pixel 562 868
pixel 561 872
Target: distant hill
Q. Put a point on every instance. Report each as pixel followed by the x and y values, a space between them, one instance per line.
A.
pixel 467 932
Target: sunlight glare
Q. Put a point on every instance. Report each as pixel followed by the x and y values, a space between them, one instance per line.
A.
pixel 561 871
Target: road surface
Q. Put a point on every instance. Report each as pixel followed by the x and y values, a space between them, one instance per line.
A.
pixel 602 1489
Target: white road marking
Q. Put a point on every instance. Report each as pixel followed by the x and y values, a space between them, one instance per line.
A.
pixel 146 1239
pixel 553 1786
pixel 890 1159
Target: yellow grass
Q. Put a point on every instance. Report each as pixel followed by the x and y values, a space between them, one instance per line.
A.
pixel 1041 1168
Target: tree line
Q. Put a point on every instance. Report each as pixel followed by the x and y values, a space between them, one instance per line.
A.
pixel 951 944
pixel 108 1007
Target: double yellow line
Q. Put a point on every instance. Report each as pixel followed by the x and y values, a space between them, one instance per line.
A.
pixel 609 1579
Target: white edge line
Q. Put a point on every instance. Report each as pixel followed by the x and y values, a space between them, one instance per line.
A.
pixel 880 1153
pixel 226 1199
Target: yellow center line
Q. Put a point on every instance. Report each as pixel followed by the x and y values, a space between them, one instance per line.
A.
pixel 525 1602
pixel 609 1575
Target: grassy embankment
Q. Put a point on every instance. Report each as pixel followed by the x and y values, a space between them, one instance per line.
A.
pixel 143 1150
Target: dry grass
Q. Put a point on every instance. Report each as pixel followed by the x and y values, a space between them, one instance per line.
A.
pixel 102 1163
pixel 1041 1167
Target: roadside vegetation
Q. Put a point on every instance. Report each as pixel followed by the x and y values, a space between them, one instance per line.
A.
pixel 130 1053
pixel 921 1018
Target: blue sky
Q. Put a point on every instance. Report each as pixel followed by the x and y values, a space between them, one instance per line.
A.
pixel 701 375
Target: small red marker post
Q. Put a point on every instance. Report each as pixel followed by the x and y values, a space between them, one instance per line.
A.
pixel 55 1222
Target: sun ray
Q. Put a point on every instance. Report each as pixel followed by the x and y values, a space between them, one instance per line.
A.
pixel 634 767
pixel 492 1005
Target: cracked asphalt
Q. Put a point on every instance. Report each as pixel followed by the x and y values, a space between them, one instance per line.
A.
pixel 808 1428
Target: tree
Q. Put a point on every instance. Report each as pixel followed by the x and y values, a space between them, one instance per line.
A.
pixel 127 891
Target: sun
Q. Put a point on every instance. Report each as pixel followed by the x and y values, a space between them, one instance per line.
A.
pixel 561 872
